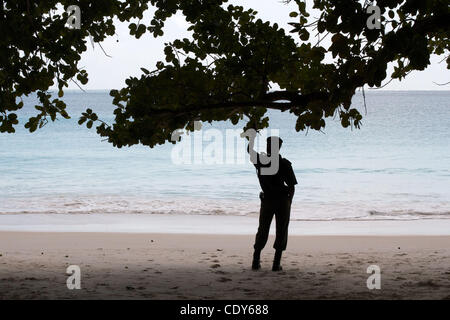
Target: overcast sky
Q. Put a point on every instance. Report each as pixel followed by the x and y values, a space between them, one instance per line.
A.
pixel 128 55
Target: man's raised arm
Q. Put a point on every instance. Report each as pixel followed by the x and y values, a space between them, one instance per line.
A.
pixel 250 134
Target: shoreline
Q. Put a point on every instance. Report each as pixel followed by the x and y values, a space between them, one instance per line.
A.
pixel 213 224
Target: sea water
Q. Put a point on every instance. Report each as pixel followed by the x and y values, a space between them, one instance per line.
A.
pixel 396 166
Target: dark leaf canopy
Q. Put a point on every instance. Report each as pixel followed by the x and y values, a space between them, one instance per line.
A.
pixel 234 67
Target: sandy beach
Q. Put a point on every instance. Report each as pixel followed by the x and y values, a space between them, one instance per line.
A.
pixel 148 149
pixel 204 266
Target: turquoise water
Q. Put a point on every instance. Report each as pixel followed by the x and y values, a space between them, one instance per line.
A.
pixel 395 167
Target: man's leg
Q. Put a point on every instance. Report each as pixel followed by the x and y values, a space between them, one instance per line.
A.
pixel 282 216
pixel 265 218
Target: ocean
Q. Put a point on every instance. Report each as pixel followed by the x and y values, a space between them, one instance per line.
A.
pixel 396 167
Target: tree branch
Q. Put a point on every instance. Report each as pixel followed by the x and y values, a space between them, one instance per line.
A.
pixel 269 101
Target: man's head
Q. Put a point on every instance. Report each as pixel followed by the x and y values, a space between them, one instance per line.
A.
pixel 273 145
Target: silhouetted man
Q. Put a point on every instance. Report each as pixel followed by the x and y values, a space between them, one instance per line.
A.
pixel 277 180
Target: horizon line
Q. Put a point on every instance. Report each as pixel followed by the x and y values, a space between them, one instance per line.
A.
pixel 366 90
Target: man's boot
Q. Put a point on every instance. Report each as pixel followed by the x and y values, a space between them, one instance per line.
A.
pixel 256 265
pixel 276 261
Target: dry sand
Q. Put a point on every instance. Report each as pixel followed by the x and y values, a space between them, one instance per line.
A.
pixel 182 266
